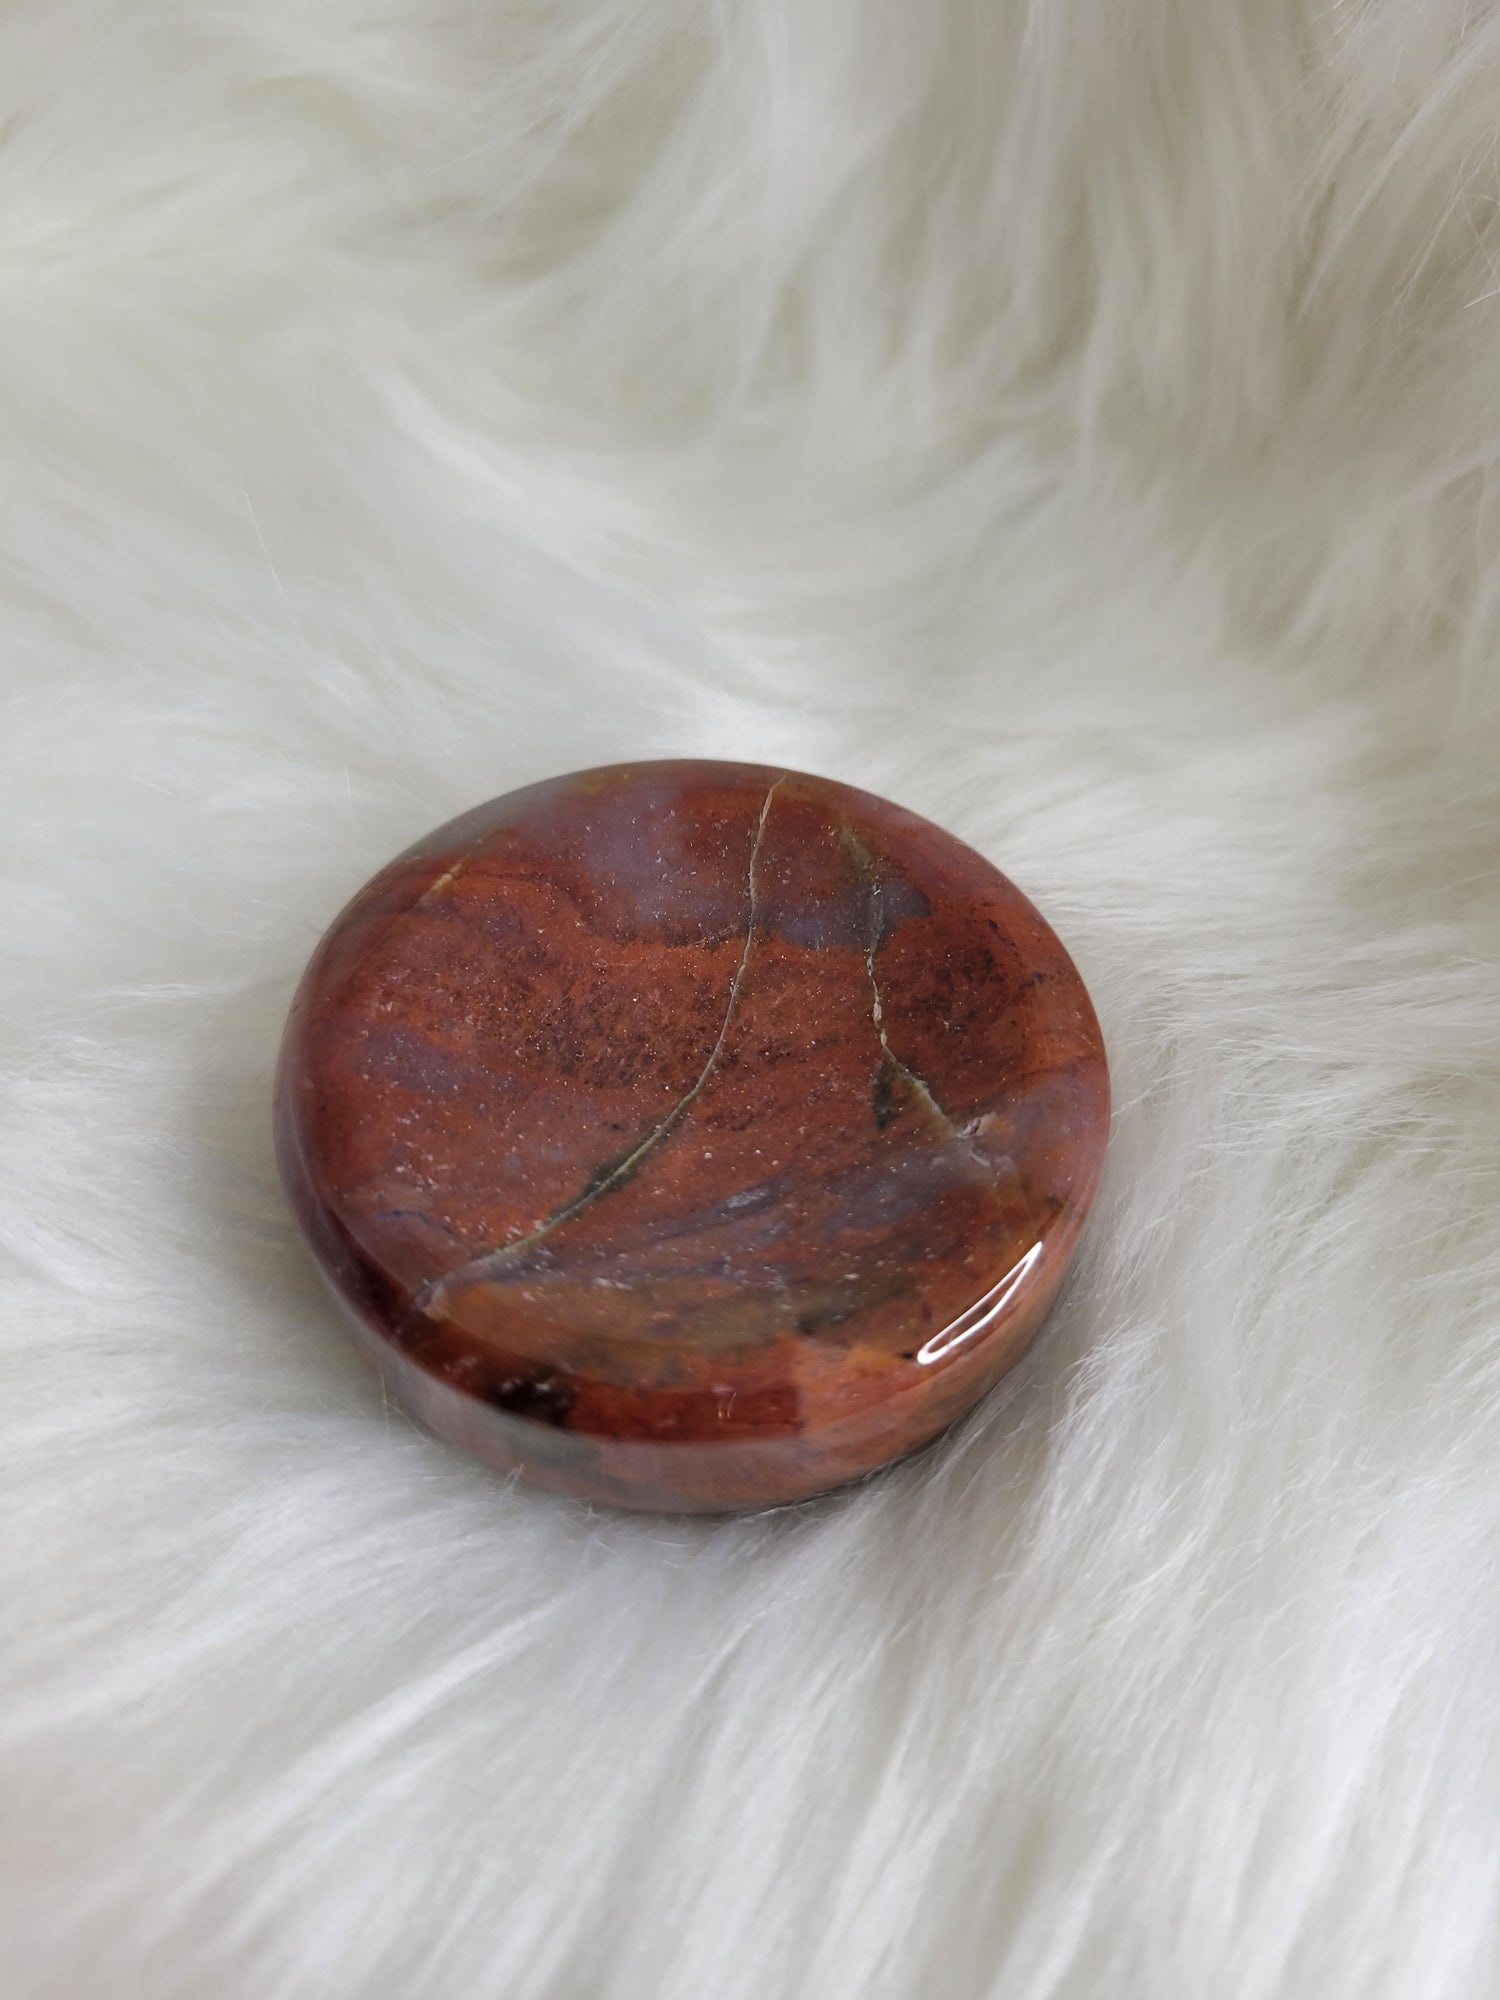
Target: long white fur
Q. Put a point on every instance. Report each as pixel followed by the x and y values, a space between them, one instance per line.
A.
pixel 1078 421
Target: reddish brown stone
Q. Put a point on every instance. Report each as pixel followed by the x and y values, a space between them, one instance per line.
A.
pixel 691 1136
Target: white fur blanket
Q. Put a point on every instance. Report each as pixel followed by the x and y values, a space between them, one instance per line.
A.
pixel 1079 421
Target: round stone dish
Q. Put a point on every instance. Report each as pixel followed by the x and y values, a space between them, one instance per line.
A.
pixel 691 1136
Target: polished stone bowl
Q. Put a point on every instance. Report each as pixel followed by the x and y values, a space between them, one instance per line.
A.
pixel 691 1136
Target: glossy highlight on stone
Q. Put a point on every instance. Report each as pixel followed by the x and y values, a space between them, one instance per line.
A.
pixel 691 1136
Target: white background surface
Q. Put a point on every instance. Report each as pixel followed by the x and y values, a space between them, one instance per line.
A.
pixel 1077 423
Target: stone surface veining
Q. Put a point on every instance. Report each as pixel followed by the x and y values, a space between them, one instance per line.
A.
pixel 688 1135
